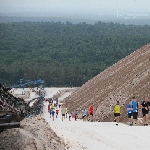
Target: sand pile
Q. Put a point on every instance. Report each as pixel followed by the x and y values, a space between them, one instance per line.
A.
pixel 127 78
pixel 34 134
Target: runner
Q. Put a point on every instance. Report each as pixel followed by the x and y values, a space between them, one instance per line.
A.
pixel 59 106
pixel 70 115
pixel 66 112
pixel 63 111
pixel 84 114
pixel 135 107
pixel 53 113
pixel 91 112
pixel 57 101
pixel 145 110
pixel 53 107
pixel 50 111
pixel 51 100
pixel 130 113
pixel 75 115
pixel 48 108
pixel 117 112
pixel 57 111
pixel 54 104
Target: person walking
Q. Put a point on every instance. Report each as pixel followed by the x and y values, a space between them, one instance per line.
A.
pixel 117 112
pixel 135 107
pixel 130 113
pixel 145 110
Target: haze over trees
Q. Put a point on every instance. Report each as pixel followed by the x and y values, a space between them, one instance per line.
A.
pixel 64 54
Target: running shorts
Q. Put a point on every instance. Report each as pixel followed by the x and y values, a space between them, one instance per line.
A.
pixel 91 113
pixel 116 114
pixel 84 116
pixel 135 114
pixel 63 114
pixel 130 115
pixel 145 113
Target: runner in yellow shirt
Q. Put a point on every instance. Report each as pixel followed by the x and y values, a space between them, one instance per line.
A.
pixel 117 112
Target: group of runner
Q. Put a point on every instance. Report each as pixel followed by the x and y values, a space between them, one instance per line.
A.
pixel 87 115
pixel 133 110
pixel 54 109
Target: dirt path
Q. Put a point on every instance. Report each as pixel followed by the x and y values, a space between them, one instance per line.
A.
pixel 79 135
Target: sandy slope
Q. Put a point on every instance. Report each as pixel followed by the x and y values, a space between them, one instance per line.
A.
pixel 34 134
pixel 64 95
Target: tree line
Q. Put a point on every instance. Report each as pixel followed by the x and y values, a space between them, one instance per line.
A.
pixel 64 54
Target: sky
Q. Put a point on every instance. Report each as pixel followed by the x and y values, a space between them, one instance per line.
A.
pixel 75 6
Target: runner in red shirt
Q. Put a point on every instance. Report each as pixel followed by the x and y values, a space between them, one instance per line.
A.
pixel 48 107
pixel 91 112
pixel 57 111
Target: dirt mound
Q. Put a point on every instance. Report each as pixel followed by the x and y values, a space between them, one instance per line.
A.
pixel 130 76
pixel 35 134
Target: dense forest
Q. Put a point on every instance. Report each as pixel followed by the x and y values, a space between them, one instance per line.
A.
pixel 64 54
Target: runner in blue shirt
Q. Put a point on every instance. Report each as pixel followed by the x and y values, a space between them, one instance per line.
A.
pixel 84 114
pixel 135 107
pixel 130 113
pixel 53 113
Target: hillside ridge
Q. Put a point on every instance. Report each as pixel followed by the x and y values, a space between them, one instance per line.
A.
pixel 129 76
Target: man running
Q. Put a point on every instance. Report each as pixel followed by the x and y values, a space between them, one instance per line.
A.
pixel 53 113
pixel 75 115
pixel 135 107
pixel 130 113
pixel 84 114
pixel 57 111
pixel 91 112
pixel 48 108
pixel 59 106
pixel 63 112
pixel 66 112
pixel 50 111
pixel 145 110
pixel 70 115
pixel 117 112
pixel 53 107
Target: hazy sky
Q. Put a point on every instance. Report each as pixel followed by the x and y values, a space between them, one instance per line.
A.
pixel 74 6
